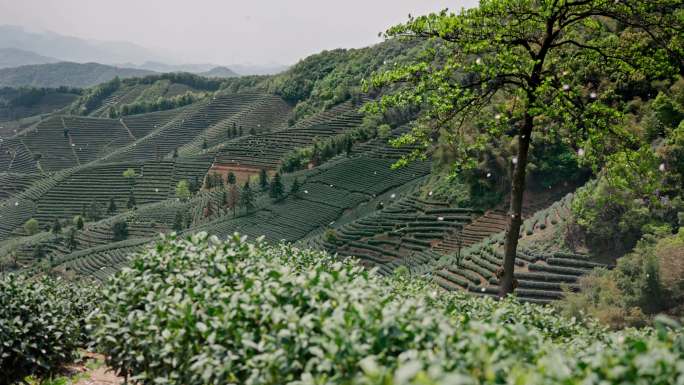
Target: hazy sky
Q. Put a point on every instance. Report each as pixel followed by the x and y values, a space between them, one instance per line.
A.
pixel 223 31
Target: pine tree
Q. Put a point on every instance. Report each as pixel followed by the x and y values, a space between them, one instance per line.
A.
pixel 56 227
pixel 131 201
pixel 71 242
pixel 277 190
pixel 263 179
pixel 205 145
pixel 78 221
pixel 195 185
pixel 241 132
pixel 247 197
pixel 94 211
pixel 175 153
pixel 294 189
pixel 348 146
pixel 231 178
pixel 111 209
pixel 252 131
pixel 233 132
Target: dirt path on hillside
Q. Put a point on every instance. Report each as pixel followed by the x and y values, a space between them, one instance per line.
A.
pixel 101 376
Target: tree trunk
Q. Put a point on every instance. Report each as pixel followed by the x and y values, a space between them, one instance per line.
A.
pixel 515 208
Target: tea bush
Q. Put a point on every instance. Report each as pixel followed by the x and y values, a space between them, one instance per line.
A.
pixel 201 311
pixel 42 323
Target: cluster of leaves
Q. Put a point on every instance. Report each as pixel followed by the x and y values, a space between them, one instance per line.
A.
pixel 42 324
pixel 198 310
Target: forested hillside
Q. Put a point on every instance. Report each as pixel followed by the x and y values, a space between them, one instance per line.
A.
pixel 64 74
pixel 478 199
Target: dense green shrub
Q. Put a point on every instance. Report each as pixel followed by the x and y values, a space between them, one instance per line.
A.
pixel 645 282
pixel 197 311
pixel 42 323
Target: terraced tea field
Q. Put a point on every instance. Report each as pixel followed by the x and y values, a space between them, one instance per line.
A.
pixel 541 274
pixel 403 233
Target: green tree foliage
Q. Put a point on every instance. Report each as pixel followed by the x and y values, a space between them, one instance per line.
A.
pixel 645 282
pixel 131 204
pixel 263 179
pixel 130 174
pixel 335 145
pixel 31 226
pixel 183 190
pixel 233 198
pixel 277 190
pixel 94 96
pixel 120 231
pixel 231 178
pixel 94 211
pixel 178 222
pixel 247 197
pixel 56 227
pixel 159 104
pixel 194 185
pixel 295 188
pixel 42 325
pixel 71 241
pixel 519 68
pixel 78 222
pixel 111 209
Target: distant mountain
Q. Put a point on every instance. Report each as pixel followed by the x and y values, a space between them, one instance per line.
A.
pixel 219 72
pixel 73 49
pixel 163 67
pixel 14 57
pixel 65 74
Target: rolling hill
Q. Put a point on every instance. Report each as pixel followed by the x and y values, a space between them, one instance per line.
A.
pixel 64 74
pixel 14 57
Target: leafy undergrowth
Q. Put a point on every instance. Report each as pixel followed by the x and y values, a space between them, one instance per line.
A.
pixel 200 311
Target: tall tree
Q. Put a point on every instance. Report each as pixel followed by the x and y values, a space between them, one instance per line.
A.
pixel 94 211
pixel 247 197
pixel 263 179
pixel 78 222
pixel 111 209
pixel 71 241
pixel 131 201
pixel 294 189
pixel 183 190
pixel 277 190
pixel 231 178
pixel 520 68
pixel 56 227
pixel 233 198
pixel 178 221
